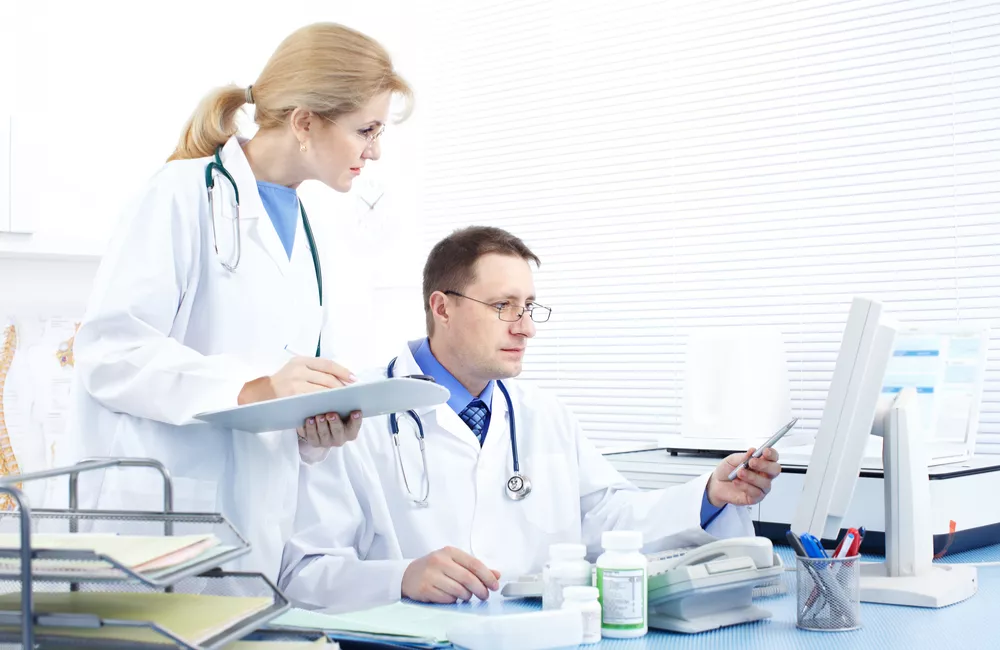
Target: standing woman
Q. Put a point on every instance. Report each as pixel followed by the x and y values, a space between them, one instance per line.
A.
pixel 210 293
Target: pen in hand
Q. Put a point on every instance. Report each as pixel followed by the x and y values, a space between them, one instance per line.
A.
pixel 764 447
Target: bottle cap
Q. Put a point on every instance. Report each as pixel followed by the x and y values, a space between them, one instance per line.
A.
pixel 621 540
pixel 567 551
pixel 580 593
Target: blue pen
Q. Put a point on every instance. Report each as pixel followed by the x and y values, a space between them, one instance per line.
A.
pixel 813 546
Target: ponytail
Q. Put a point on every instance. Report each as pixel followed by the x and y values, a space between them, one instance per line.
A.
pixel 212 124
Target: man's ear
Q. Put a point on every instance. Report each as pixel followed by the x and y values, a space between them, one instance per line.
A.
pixel 439 308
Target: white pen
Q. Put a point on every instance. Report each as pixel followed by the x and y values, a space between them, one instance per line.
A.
pixel 760 450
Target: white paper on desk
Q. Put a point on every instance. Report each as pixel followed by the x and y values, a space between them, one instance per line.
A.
pixel 398 620
pixel 374 398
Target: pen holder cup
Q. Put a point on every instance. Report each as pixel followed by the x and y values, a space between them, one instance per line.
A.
pixel 828 594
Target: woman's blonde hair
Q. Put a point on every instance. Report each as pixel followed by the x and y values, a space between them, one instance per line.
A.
pixel 325 68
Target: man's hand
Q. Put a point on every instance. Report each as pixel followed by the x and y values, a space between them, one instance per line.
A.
pixel 448 575
pixel 750 486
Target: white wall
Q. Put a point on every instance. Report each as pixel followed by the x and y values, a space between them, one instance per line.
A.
pixel 98 94
pixel 7 50
pixel 44 286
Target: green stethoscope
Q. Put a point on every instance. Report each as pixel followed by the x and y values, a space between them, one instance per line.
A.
pixel 217 166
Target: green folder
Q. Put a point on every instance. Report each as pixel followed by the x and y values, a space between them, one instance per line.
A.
pixel 192 617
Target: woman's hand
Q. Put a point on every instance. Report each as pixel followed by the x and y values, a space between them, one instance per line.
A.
pixel 307 375
pixel 330 430
pixel 298 376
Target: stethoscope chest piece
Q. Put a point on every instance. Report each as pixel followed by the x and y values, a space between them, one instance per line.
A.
pixel 518 487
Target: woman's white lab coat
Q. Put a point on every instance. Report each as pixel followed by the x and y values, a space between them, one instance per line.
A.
pixel 169 333
pixel 356 531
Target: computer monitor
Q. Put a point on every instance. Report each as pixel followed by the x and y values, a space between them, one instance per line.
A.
pixel 847 420
pixel 907 577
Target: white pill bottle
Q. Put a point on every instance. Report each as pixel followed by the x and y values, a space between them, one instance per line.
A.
pixel 566 567
pixel 584 600
pixel 622 580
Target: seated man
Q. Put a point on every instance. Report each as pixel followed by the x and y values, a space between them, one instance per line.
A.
pixel 375 522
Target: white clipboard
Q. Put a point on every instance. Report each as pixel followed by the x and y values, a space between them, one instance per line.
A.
pixel 380 397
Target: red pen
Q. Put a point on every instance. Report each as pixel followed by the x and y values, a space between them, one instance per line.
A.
pixel 856 546
pixel 850 538
pixel 844 550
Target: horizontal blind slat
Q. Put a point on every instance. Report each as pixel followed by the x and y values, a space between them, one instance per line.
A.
pixel 679 166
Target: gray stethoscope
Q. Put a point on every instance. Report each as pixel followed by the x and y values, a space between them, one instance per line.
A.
pixel 518 486
pixel 216 166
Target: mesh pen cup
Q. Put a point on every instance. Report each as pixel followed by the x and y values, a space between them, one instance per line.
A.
pixel 828 594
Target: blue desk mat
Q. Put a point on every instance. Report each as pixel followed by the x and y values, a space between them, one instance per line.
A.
pixel 969 624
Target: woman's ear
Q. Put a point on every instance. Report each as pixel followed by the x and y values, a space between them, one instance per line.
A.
pixel 301 121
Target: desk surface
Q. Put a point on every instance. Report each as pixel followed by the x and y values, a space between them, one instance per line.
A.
pixel 697 463
pixel 967 625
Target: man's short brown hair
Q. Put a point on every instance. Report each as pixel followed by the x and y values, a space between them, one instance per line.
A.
pixel 451 265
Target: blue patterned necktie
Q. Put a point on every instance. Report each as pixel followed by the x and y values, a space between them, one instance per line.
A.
pixel 476 415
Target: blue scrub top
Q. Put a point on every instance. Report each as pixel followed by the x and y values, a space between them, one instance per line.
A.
pixel 282 206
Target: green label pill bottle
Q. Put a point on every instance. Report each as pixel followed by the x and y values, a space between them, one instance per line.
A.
pixel 622 581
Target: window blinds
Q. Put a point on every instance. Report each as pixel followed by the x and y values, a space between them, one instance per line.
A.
pixel 683 165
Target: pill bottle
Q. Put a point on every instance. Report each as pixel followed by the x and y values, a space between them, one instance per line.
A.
pixel 585 600
pixel 622 580
pixel 566 567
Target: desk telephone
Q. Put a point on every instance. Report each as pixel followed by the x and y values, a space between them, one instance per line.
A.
pixel 698 589
pixel 711 586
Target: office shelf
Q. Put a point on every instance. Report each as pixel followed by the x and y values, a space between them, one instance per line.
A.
pixel 32 570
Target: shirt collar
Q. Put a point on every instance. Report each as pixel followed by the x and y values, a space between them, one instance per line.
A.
pixel 429 365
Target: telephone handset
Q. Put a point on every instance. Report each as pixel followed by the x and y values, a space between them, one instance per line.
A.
pixel 758 549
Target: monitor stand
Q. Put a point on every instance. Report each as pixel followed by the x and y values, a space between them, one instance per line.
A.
pixel 908 575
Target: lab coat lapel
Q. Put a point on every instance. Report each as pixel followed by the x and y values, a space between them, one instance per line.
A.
pixel 440 416
pixel 448 420
pixel 259 226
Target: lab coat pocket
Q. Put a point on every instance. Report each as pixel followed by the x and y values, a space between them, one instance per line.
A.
pixel 553 506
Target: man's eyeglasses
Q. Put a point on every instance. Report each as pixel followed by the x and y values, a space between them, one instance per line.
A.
pixel 508 311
